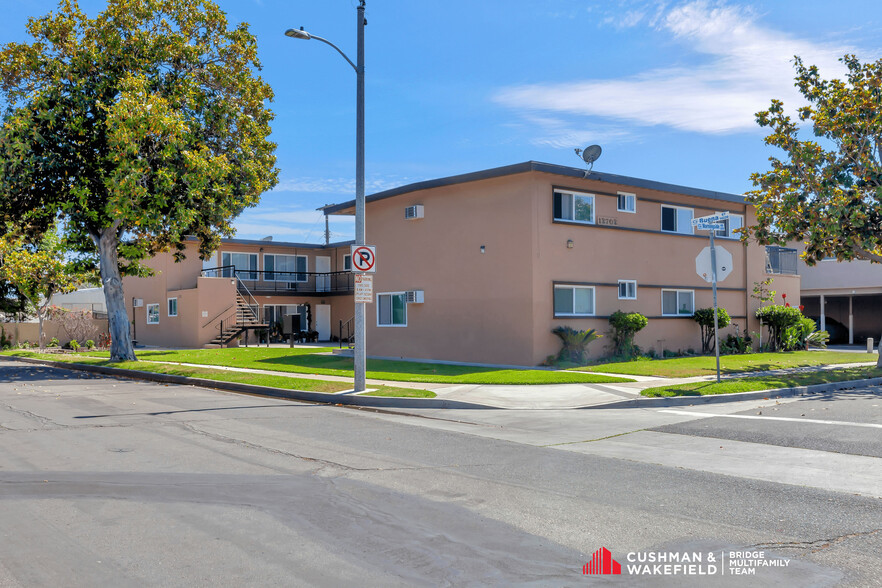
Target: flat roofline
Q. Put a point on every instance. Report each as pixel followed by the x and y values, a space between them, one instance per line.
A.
pixel 529 166
pixel 261 242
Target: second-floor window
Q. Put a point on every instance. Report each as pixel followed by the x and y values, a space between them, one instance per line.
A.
pixel 573 206
pixel 678 302
pixel 676 219
pixel 627 289
pixel 627 202
pixel 245 265
pixel 735 221
pixel 285 268
pixel 347 263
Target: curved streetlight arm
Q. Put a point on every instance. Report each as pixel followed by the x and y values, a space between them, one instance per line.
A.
pixel 326 42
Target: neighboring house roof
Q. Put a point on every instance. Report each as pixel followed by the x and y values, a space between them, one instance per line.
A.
pixel 528 166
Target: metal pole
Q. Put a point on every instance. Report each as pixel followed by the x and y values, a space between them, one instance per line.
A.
pixel 714 274
pixel 359 353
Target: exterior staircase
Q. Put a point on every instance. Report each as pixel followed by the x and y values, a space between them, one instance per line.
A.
pixel 245 317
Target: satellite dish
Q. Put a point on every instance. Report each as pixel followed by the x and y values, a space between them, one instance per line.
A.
pixel 589 155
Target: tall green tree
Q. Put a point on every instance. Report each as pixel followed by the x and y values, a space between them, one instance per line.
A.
pixel 134 129
pixel 827 190
pixel 37 270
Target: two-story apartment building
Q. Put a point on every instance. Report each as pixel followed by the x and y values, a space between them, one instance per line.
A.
pixel 244 290
pixel 481 267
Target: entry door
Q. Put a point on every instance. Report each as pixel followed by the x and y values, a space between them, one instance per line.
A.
pixel 323 321
pixel 322 282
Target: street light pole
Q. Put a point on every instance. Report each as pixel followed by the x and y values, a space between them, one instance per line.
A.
pixel 360 351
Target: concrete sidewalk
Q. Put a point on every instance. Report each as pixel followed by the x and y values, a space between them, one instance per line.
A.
pixel 560 396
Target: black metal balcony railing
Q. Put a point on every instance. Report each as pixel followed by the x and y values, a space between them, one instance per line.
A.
pixel 275 282
pixel 780 260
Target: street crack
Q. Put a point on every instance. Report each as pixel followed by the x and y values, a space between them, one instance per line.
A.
pixel 816 545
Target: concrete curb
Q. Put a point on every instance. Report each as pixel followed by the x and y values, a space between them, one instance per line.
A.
pixel 645 402
pixel 316 397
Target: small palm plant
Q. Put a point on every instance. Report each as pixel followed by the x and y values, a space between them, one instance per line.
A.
pixel 575 343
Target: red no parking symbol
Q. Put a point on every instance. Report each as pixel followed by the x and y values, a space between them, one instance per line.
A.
pixel 363 258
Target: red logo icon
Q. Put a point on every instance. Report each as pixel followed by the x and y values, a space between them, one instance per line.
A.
pixel 602 563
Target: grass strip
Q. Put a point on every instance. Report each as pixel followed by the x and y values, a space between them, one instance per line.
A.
pixel 758 383
pixel 282 382
pixel 317 361
pixel 686 367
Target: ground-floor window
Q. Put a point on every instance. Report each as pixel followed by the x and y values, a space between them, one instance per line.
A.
pixel 153 314
pixel 392 309
pixel 573 300
pixel 172 307
pixel 678 302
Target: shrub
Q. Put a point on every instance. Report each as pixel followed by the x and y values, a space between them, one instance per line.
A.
pixel 778 318
pixel 53 342
pixel 5 342
pixel 575 343
pixel 74 344
pixel 90 344
pixel 817 339
pixel 735 344
pixel 624 326
pixel 705 319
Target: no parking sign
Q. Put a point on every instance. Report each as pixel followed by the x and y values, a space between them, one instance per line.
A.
pixel 364 258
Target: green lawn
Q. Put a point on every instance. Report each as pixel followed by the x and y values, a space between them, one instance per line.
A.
pixel 283 382
pixel 312 361
pixel 756 383
pixel 685 367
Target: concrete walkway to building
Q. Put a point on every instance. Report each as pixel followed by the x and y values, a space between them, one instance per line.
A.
pixel 542 396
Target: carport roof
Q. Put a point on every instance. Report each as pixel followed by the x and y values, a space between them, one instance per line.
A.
pixel 529 166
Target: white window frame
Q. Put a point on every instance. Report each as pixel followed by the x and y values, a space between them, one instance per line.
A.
pixel 572 195
pixel 628 196
pixel 248 271
pixel 634 297
pixel 156 306
pixel 676 231
pixel 168 306
pixel 292 276
pixel 404 297
pixel 574 287
pixel 727 234
pixel 678 292
pixel 347 262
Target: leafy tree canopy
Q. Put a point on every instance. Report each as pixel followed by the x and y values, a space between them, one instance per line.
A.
pixel 827 191
pixel 135 129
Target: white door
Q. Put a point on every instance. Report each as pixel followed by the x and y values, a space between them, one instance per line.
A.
pixel 323 321
pixel 323 282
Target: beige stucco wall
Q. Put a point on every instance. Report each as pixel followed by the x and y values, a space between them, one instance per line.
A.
pixel 30 332
pixel 478 306
pixel 497 307
pixel 204 301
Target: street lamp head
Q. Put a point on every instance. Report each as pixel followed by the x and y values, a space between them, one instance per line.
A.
pixel 298 34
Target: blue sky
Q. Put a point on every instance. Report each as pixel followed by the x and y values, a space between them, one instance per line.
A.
pixel 667 88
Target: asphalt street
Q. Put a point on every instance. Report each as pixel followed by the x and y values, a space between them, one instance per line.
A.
pixel 109 482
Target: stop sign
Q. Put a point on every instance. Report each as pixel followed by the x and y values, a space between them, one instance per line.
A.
pixel 704 268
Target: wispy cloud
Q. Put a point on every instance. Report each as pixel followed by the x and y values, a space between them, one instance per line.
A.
pixel 744 64
pixel 343 186
pixel 292 224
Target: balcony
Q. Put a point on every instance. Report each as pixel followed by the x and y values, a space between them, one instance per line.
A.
pixel 780 260
pixel 273 283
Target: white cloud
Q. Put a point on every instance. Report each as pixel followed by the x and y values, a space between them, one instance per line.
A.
pixel 746 65
pixel 344 186
pixel 292 224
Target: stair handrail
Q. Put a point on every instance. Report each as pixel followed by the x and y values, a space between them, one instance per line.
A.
pixel 240 285
pixel 349 333
pixel 219 315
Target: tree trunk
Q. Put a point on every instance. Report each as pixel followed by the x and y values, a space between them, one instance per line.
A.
pixel 40 333
pixel 121 348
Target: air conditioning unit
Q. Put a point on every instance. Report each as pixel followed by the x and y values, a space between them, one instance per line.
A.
pixel 412 212
pixel 137 302
pixel 415 297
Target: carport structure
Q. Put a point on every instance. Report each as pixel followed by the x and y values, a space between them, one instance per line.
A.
pixel 845 298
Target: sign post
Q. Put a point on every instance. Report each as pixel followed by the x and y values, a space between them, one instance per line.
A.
pixel 712 225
